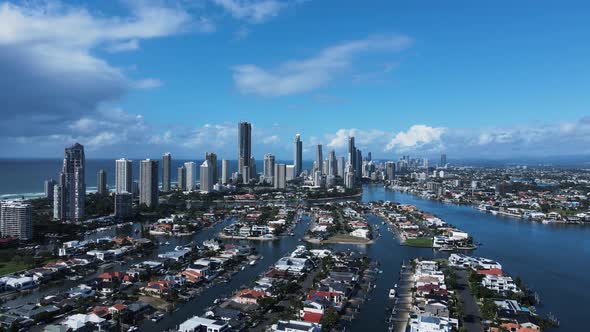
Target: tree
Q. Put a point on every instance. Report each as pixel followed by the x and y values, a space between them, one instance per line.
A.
pixel 489 309
pixel 329 319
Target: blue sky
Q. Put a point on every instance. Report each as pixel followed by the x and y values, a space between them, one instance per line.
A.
pixel 138 78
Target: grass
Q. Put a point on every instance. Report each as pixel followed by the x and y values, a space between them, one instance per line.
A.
pixel 346 238
pixel 10 267
pixel 421 242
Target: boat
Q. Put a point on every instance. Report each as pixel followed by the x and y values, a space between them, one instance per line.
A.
pixel 167 243
pixel 392 293
pixel 252 262
pixel 243 267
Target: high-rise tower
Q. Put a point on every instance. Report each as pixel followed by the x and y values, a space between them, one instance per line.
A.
pixel 269 167
pixel 206 176
pixel 298 155
pixel 191 175
pixel 72 185
pixel 148 182
pixel 212 158
pixel 101 182
pixel 244 145
pixel 319 159
pixel 166 171
pixel 16 219
pixel 123 176
pixel 224 171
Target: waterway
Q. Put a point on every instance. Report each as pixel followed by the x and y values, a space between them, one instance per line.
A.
pixel 551 259
pixel 554 260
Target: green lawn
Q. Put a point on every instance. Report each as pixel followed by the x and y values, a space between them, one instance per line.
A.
pixel 10 267
pixel 422 242
pixel 346 238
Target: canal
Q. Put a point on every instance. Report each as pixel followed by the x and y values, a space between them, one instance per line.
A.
pixel 554 260
pixel 271 251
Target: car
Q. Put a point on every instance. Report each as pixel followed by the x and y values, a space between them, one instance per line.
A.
pixel 157 317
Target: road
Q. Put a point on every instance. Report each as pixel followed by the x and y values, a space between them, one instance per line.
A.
pixel 472 321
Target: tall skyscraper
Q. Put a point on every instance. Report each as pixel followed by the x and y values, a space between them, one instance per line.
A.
pixel 319 158
pixel 349 176
pixel 390 170
pixel 101 182
pixel 269 167
pixel 298 157
pixel 252 166
pixel 72 185
pixel 359 164
pixel 443 160
pixel 352 154
pixel 16 219
pixel 206 177
pixel 166 171
pixel 280 176
pixel 181 178
pixel 58 200
pixel 123 176
pixel 191 175
pixel 225 171
pixel 212 158
pixel 341 166
pixel 290 173
pixel 332 164
pixel 148 182
pixel 244 145
pixel 48 186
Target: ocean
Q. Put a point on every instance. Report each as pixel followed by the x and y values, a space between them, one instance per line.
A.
pixel 25 177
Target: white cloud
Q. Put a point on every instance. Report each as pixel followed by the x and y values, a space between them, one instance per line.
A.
pixel 165 138
pixel 416 136
pixel 124 46
pixel 296 76
pixel 273 139
pixel 49 48
pixel 212 136
pixel 363 138
pixel 148 83
pixel 61 26
pixel 253 11
pixel 83 125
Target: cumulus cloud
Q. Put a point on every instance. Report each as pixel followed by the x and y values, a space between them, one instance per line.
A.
pixel 52 83
pixel 416 136
pixel 124 46
pixel 297 76
pixel 252 11
pixel 214 136
pixel 363 138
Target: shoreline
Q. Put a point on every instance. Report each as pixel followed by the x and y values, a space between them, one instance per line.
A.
pixel 475 206
pixel 316 241
pixel 249 238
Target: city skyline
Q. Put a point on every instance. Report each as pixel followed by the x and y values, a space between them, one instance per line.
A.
pixel 294 165
pixel 391 79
